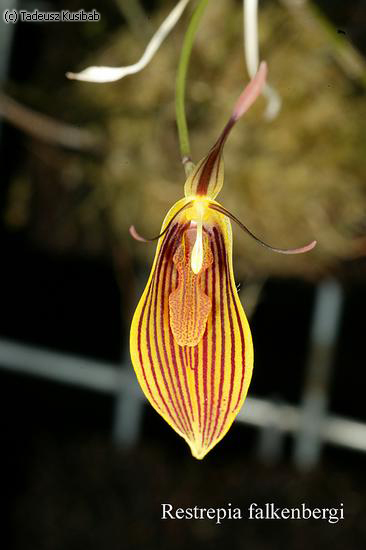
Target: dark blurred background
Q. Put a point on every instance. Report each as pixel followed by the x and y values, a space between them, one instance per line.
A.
pixel 85 463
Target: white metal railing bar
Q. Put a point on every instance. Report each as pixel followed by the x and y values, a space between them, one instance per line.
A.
pixel 334 429
pixel 315 398
pixel 108 378
pixel 68 369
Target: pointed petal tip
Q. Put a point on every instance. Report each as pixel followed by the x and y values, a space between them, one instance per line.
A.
pixel 307 247
pixel 291 251
pixel 135 235
pixel 250 92
pixel 300 250
pixel 263 67
pixel 198 451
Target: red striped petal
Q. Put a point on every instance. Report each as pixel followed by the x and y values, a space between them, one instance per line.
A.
pixel 198 389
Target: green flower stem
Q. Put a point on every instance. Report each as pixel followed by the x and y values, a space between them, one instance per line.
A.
pixel 180 89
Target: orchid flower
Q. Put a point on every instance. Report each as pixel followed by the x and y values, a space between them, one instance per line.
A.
pixel 190 342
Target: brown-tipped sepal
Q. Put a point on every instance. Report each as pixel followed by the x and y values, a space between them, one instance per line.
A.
pixel 207 178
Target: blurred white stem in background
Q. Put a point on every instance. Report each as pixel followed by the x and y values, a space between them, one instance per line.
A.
pixel 46 128
pixel 251 53
pixel 111 74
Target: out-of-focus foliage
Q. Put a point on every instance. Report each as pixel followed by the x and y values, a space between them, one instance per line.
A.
pixel 297 178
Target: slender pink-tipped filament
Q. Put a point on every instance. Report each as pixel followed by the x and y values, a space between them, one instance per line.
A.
pixel 138 237
pixel 299 250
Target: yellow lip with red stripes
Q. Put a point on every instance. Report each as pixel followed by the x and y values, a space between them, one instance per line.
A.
pixel 190 340
pixel 191 345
